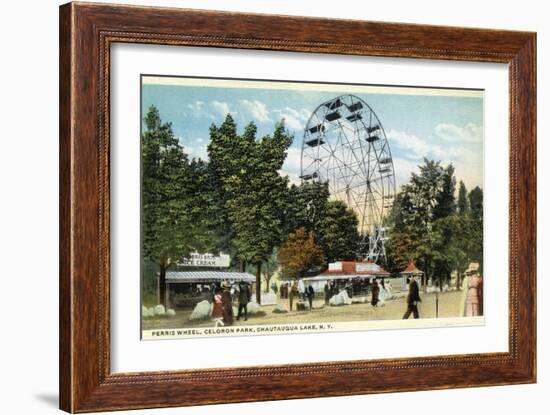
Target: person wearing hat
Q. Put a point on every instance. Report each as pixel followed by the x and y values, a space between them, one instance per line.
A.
pixel 474 297
pixel 328 290
pixel 217 308
pixel 412 300
pixel 244 299
pixel 292 293
pixel 310 293
pixel 227 304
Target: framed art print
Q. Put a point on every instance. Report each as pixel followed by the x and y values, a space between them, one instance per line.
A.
pixel 249 203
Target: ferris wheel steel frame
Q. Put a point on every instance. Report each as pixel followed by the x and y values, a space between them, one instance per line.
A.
pixel 346 145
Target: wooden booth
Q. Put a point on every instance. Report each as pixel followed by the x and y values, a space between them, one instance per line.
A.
pixel 184 289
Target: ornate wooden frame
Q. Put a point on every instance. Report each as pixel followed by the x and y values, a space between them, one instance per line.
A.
pixel 86 33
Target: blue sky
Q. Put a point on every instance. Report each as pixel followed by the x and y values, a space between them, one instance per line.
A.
pixel 446 125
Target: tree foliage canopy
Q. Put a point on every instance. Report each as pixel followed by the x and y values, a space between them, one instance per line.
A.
pixel 428 226
pixel 299 253
pixel 173 190
pixel 250 187
pixel 175 195
pixel 463 206
pixel 338 232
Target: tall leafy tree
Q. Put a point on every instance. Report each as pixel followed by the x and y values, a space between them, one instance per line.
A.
pixel 462 203
pixel 171 224
pixel 427 197
pixel 445 202
pixel 429 226
pixel 306 205
pixel 223 153
pixel 269 268
pixel 333 223
pixel 476 203
pixel 251 188
pixel 299 253
pixel 338 234
pixel 475 198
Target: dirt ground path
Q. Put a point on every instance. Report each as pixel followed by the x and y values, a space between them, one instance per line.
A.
pixel 449 306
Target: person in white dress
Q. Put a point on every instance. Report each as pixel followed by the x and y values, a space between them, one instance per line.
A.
pixel 302 289
pixel 382 295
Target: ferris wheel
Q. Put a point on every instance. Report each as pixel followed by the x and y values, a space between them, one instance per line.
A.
pixel 345 145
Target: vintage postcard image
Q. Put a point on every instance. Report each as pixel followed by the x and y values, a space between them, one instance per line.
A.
pixel 276 207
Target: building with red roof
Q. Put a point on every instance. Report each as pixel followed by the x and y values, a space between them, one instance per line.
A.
pixel 347 270
pixel 410 271
pixel 343 270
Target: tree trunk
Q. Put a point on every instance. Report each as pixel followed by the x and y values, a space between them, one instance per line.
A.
pixel 162 285
pixel 258 282
pixel 267 279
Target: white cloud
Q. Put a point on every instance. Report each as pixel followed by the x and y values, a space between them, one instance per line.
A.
pixel 196 106
pixel 413 147
pixel 470 133
pixel 195 148
pixel 403 169
pixel 257 109
pixel 294 119
pixel 222 108
pixel 461 146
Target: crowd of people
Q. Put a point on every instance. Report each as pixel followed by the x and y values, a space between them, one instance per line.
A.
pixel 300 293
pixel 222 302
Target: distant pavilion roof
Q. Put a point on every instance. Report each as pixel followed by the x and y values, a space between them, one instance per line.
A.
pixel 207 276
pixel 411 269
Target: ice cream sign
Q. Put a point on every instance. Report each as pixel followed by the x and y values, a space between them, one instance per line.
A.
pixel 206 260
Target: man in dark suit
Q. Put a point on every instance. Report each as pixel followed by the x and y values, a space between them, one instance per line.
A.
pixel 412 300
pixel 244 298
pixel 310 292
pixel 328 292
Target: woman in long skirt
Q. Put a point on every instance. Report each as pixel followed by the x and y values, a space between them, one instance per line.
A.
pixel 375 291
pixel 227 305
pixel 383 294
pixel 217 310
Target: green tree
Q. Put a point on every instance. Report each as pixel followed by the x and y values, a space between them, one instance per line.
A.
pixel 475 198
pixel 338 234
pixel 476 203
pixel 269 268
pixel 403 246
pixel 428 226
pixel 333 224
pixel 427 197
pixel 306 205
pixel 463 206
pixel 445 202
pixel 299 253
pixel 171 226
pixel 252 191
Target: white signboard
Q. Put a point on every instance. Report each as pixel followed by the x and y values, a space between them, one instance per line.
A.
pixel 367 268
pixel 206 260
pixel 335 266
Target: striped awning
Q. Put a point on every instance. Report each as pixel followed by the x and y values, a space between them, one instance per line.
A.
pixel 207 276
